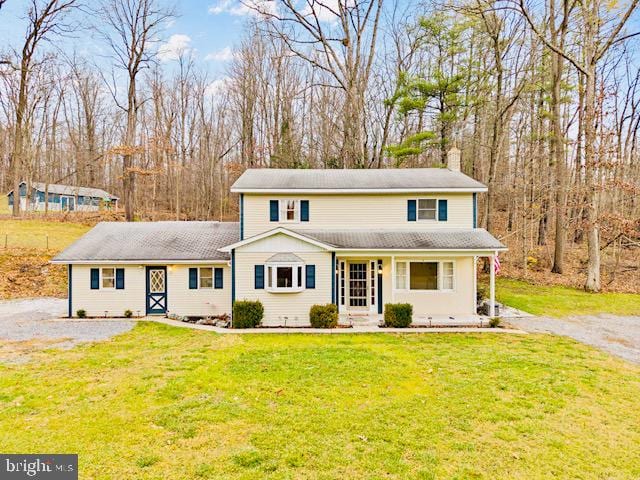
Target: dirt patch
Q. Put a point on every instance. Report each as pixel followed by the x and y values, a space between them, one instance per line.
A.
pixel 28 273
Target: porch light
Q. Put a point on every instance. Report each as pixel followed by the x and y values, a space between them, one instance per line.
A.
pixel 380 267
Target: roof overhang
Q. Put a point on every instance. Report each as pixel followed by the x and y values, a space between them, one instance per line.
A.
pixel 140 262
pixel 351 191
pixel 276 231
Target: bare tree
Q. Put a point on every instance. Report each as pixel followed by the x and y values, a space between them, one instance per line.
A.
pixel 132 27
pixel 595 44
pixel 44 19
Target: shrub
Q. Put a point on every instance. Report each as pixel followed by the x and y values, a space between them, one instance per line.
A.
pixel 247 314
pixel 494 322
pixel 324 316
pixel 128 313
pixel 398 315
pixel 481 294
pixel 81 313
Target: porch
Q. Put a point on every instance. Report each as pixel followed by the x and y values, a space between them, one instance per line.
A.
pixel 426 321
pixel 441 286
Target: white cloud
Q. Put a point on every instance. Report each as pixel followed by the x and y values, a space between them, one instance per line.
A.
pixel 217 87
pixel 174 47
pixel 244 7
pixel 223 55
pixel 328 10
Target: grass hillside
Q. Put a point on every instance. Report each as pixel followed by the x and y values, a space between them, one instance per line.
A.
pixel 164 402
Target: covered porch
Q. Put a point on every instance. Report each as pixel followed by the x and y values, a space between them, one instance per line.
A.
pixel 441 286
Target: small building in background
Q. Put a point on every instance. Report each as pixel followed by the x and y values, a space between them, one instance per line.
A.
pixel 65 198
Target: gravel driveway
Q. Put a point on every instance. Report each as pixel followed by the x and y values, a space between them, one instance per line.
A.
pixel 617 335
pixel 38 320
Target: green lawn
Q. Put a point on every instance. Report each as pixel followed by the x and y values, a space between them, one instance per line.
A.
pixel 33 233
pixel 167 403
pixel 557 301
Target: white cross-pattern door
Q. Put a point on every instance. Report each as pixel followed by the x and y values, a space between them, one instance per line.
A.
pixel 156 290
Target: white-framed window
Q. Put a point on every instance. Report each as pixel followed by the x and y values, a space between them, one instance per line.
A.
pixel 285 277
pixel 425 275
pixel 289 210
pixel 108 277
pixel 447 276
pixel 401 275
pixel 205 275
pixel 427 208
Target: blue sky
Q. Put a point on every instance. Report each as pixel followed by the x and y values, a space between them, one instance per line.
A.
pixel 208 28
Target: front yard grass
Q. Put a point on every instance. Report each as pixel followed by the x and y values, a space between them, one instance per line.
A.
pixel 166 403
pixel 559 301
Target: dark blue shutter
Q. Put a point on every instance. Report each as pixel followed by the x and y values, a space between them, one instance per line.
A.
pixel 442 210
pixel 304 210
pixel 95 279
pixel 475 210
pixel 273 210
pixel 311 276
pixel 120 278
pixel 411 210
pixel 193 278
pixel 217 278
pixel 259 277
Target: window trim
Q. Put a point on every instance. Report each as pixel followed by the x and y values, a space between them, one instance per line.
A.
pixel 282 210
pixel 440 276
pixel 102 278
pixel 298 277
pixel 418 219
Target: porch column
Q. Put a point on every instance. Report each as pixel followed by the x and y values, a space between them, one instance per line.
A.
pixel 492 286
pixel 393 279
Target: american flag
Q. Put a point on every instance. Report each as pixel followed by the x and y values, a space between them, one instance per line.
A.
pixel 496 265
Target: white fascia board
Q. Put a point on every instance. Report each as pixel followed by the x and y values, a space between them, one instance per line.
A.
pixel 356 190
pixel 276 231
pixel 140 262
pixel 407 252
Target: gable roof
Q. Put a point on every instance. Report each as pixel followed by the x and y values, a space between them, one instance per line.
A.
pixel 388 180
pixel 441 239
pixel 60 189
pixel 187 242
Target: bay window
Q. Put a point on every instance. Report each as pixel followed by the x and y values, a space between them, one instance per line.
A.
pixel 422 275
pixel 285 278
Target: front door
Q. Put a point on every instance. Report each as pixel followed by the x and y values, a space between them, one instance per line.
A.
pixel 358 286
pixel 156 290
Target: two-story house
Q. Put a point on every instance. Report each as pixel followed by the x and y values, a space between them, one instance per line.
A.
pixel 356 238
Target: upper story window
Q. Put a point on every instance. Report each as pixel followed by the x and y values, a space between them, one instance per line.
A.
pixel 427 209
pixel 289 210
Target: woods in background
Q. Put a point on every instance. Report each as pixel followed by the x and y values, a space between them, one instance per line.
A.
pixel 542 99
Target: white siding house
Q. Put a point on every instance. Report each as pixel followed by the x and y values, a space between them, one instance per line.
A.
pixel 357 238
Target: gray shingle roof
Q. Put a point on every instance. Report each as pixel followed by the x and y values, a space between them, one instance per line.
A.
pixel 401 179
pixel 152 241
pixel 444 239
pixel 71 190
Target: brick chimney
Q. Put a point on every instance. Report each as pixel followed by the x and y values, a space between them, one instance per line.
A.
pixel 453 159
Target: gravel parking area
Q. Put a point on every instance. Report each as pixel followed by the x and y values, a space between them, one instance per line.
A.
pixel 39 320
pixel 615 334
